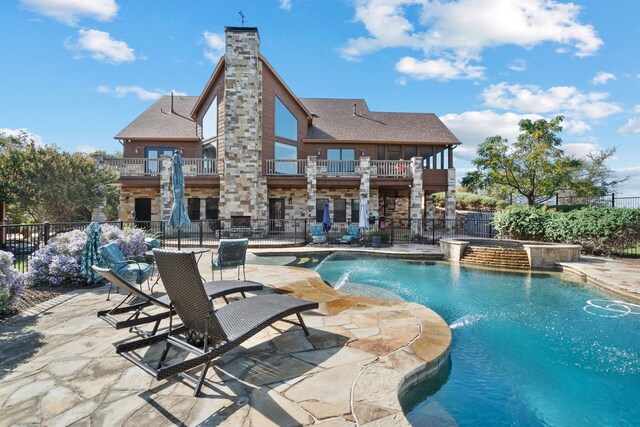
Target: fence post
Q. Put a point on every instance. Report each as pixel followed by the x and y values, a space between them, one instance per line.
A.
pixel 121 225
pixel 557 199
pixel 201 236
pixel 295 231
pixel 613 200
pixel 46 232
pixel 306 233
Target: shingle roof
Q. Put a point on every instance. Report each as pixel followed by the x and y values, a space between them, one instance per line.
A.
pixel 157 121
pixel 334 119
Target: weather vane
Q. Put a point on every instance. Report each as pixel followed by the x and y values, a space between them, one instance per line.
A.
pixel 242 17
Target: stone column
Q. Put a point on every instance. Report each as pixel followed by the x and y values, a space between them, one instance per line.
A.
pixel 312 173
pixel 415 202
pixel 243 188
pixel 98 214
pixel 365 177
pixel 450 200
pixel 166 198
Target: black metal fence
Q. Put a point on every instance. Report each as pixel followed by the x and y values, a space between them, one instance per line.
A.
pixel 24 239
pixel 609 201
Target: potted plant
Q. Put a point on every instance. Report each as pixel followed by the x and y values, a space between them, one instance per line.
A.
pixel 378 237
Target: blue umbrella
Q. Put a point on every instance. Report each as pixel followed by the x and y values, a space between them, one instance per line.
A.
pixel 326 218
pixel 90 254
pixel 179 216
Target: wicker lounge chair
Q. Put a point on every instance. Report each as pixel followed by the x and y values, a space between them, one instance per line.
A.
pixel 231 253
pixel 352 234
pixel 222 329
pixel 137 300
pixel 317 234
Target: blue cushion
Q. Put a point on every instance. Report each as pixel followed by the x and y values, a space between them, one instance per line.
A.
pixel 113 257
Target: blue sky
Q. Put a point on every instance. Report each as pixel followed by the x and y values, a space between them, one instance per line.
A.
pixel 74 73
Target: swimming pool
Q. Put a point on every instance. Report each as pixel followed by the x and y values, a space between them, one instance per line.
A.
pixel 527 349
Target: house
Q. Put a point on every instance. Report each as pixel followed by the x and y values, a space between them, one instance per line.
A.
pixel 253 150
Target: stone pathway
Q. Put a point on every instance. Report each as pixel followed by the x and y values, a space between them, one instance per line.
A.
pixel 621 276
pixel 58 365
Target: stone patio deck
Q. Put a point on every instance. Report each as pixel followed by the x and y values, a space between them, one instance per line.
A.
pixel 58 365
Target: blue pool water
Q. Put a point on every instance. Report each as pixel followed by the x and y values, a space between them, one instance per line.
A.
pixel 528 349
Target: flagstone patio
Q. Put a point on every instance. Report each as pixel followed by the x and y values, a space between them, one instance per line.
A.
pixel 58 365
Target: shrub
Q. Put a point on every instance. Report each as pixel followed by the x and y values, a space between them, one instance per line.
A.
pixel 11 282
pixel 473 202
pixel 58 263
pixel 519 222
pixel 598 230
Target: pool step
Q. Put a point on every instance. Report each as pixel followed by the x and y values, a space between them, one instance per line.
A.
pixel 509 257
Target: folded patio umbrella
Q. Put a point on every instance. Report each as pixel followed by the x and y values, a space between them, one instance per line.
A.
pixel 363 221
pixel 90 254
pixel 179 216
pixel 326 218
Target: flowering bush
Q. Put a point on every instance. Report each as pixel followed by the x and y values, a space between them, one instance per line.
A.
pixel 11 282
pixel 58 263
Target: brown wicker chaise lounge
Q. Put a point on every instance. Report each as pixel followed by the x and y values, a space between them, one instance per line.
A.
pixel 222 329
pixel 137 300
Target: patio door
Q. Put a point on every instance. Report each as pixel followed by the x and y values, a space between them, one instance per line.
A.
pixel 276 215
pixel 142 212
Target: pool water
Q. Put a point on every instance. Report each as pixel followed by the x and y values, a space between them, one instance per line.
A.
pixel 527 349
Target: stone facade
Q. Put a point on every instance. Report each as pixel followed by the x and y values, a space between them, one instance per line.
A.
pixel 298 208
pixel 450 199
pixel 243 188
pixel 128 198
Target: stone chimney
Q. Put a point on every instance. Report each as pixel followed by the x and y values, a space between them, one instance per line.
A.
pixel 243 189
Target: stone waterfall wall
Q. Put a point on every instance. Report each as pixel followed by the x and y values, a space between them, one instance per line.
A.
pixel 243 188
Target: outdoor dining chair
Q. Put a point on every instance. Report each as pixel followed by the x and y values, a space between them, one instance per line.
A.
pixel 352 233
pixel 221 330
pixel 231 253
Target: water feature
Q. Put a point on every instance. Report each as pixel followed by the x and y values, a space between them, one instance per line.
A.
pixel 527 349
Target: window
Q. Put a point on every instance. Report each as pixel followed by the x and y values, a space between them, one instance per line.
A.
pixel 152 167
pixel 209 154
pixel 410 151
pixel 211 208
pixel 339 210
pixel 193 208
pixel 320 209
pixel 355 210
pixel 341 160
pixel 286 122
pixel 210 121
pixel 286 152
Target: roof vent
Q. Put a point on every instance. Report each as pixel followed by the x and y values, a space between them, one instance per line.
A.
pixel 355 109
pixel 172 103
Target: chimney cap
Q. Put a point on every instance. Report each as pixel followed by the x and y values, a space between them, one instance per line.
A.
pixel 240 29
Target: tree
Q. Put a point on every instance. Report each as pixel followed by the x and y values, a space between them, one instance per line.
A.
pixel 535 165
pixel 594 177
pixel 45 184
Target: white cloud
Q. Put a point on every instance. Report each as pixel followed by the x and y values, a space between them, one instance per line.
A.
pixel 402 81
pixel 458 31
pixel 575 126
pixel 215 46
pixel 473 127
pixel 70 11
pixel 440 69
pixel 37 139
pixel 86 149
pixel 602 78
pixel 122 91
pixel 632 127
pixel 566 100
pixel 518 65
pixel 285 4
pixel 580 149
pixel 102 47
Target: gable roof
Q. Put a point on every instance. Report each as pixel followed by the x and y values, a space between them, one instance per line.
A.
pixel 158 122
pixel 334 120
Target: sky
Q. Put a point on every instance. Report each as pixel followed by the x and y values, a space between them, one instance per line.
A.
pixel 75 72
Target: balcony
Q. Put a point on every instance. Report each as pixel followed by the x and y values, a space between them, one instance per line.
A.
pixel 391 169
pixel 338 168
pixel 139 167
pixel 285 167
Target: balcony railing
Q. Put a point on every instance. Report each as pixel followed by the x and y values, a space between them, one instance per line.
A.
pixel 285 167
pixel 391 168
pixel 338 167
pixel 153 167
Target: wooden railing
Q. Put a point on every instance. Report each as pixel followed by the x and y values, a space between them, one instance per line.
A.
pixel 285 167
pixel 391 168
pixel 338 167
pixel 153 167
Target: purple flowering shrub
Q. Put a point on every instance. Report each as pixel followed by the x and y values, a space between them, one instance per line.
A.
pixel 11 282
pixel 58 263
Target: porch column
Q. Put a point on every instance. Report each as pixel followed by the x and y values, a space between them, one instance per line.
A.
pixel 165 187
pixel 312 173
pixel 415 202
pixel 450 200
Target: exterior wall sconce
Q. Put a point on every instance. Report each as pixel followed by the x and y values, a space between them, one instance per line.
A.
pixel 318 153
pixel 137 150
pixel 182 151
pixel 290 200
pixel 362 152
pixel 126 199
